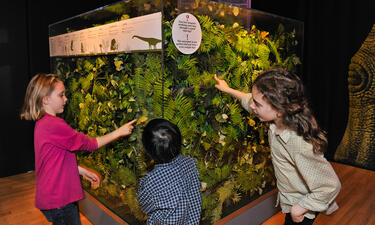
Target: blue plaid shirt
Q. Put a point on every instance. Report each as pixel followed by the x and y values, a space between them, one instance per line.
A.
pixel 171 194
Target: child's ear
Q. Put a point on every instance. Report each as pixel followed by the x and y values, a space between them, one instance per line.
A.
pixel 45 100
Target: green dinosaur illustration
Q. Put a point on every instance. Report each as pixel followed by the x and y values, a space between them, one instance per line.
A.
pixel 357 146
pixel 151 41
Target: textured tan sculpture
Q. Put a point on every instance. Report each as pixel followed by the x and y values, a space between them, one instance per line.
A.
pixel 357 147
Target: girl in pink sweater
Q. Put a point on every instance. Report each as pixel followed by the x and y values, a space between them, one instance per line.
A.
pixel 58 186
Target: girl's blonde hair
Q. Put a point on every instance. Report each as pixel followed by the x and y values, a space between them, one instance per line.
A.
pixel 285 92
pixel 41 85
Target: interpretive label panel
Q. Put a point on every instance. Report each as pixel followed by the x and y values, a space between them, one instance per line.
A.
pixel 186 33
pixel 142 33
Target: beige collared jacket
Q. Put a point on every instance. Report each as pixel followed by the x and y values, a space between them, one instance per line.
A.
pixel 303 177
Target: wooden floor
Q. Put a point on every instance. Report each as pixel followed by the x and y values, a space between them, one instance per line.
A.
pixel 17 202
pixel 356 200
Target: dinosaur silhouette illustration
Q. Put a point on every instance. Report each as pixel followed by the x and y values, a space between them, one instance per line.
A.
pixel 114 45
pixel 82 49
pixel 151 41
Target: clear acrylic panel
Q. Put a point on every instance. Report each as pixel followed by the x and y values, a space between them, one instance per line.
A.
pixel 109 87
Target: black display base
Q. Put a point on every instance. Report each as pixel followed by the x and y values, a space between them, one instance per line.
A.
pixel 254 213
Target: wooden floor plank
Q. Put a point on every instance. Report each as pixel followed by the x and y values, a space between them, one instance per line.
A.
pixel 17 202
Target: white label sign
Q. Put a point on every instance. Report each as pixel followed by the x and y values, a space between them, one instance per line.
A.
pixel 136 34
pixel 186 33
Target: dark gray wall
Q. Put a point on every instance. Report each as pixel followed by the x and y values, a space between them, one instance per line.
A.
pixel 24 52
pixel 16 152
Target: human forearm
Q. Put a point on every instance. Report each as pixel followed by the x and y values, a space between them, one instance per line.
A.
pixel 223 86
pixel 90 175
pixel 124 130
pixel 297 213
pixel 319 200
pixel 108 138
pixel 320 177
pixel 236 93
pixel 81 170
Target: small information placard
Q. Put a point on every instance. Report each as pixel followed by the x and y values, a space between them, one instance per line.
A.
pixel 186 33
pixel 136 34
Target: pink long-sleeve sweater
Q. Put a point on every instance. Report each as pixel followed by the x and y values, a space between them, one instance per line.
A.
pixel 56 169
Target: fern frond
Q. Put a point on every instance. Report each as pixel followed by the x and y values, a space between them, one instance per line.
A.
pixel 130 198
pixel 88 66
pixel 224 192
pixel 273 50
pixel 205 21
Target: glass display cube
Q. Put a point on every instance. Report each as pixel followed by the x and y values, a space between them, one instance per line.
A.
pixel 148 59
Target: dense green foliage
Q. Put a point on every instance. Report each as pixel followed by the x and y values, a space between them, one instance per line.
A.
pixel 229 144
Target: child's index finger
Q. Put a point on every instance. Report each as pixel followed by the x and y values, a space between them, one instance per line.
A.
pixel 131 122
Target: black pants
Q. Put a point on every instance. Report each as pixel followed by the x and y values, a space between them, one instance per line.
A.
pixel 306 221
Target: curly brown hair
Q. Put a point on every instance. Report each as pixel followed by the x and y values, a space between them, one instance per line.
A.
pixel 284 91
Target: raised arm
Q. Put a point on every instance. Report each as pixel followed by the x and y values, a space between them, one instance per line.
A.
pixel 244 98
pixel 223 86
pixel 124 130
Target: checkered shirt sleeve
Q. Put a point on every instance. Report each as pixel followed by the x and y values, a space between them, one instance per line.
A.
pixel 170 194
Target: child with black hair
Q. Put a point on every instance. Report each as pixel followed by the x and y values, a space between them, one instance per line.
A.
pixel 170 193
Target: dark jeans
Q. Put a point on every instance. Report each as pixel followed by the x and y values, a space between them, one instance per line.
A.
pixel 306 221
pixel 66 215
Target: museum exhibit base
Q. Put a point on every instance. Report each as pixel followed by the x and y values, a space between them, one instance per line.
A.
pixel 97 213
pixel 256 212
